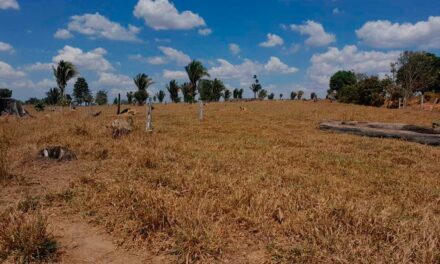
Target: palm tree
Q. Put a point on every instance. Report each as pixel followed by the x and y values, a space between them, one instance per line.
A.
pixel 142 82
pixel 256 86
pixel 195 71
pixel 63 73
pixel 173 88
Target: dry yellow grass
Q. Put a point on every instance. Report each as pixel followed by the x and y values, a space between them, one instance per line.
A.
pixel 254 186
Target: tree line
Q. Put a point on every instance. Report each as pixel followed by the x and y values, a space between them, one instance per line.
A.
pixel 198 84
pixel 414 72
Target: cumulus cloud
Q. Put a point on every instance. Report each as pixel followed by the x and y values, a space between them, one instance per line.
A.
pixel 317 35
pixel 205 31
pixel 163 15
pixel 169 54
pixel 5 47
pixel 384 34
pixel 107 79
pixel 276 65
pixel 98 26
pixel 38 66
pixel 8 72
pixel 234 48
pixel 272 41
pixel 178 75
pixel 323 65
pixel 63 34
pixel 92 60
pixel 243 72
pixel 9 4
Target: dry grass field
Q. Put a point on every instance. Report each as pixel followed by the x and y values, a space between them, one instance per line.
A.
pixel 262 185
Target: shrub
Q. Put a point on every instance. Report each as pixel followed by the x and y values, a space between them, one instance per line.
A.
pixel 40 106
pixel 25 238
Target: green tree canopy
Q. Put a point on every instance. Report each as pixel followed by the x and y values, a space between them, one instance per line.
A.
pixel 341 79
pixel 256 86
pixel 81 90
pixel 195 71
pixel 5 93
pixel 101 97
pixel 173 89
pixel 160 96
pixel 53 96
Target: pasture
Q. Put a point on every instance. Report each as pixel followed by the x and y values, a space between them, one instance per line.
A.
pixel 255 182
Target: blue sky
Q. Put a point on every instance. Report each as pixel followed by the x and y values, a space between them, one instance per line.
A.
pixel 289 44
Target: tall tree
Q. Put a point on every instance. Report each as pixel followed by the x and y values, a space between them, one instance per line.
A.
pixel 217 90
pixel 256 86
pixel 160 96
pixel 53 96
pixel 240 93
pixel 5 93
pixel 174 88
pixel 130 97
pixel 81 90
pixel 142 82
pixel 187 93
pixel 339 80
pixel 300 94
pixel 227 95
pixel 101 97
pixel 195 71
pixel 262 94
pixel 417 71
pixel 63 73
pixel 293 95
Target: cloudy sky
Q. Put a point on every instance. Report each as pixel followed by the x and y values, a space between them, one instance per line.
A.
pixel 289 44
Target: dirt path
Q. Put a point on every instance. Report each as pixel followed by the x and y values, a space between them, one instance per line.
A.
pixel 83 243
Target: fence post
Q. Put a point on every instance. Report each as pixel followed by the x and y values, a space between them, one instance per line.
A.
pixel 422 101
pixel 149 127
pixel 119 104
pixel 201 111
pixel 400 103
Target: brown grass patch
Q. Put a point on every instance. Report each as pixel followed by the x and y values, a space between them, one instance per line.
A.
pixel 264 180
pixel 24 236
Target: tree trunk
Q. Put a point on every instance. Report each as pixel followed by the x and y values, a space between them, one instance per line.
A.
pixel 423 135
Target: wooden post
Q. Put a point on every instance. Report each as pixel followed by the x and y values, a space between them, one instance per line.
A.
pixel 149 127
pixel 400 103
pixel 422 100
pixel 201 111
pixel 119 103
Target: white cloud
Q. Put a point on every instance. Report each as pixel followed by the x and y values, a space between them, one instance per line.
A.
pixel 276 65
pixel 163 15
pixel 247 69
pixel 9 4
pixel 93 60
pixel 170 54
pixel 205 31
pixel 38 66
pixel 63 34
pixel 272 41
pixel 98 26
pixel 317 35
pixel 349 58
pixel 8 72
pixel 336 11
pixel 5 47
pixel 175 55
pixel 179 75
pixel 107 79
pixel 157 60
pixel 234 48
pixel 384 34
